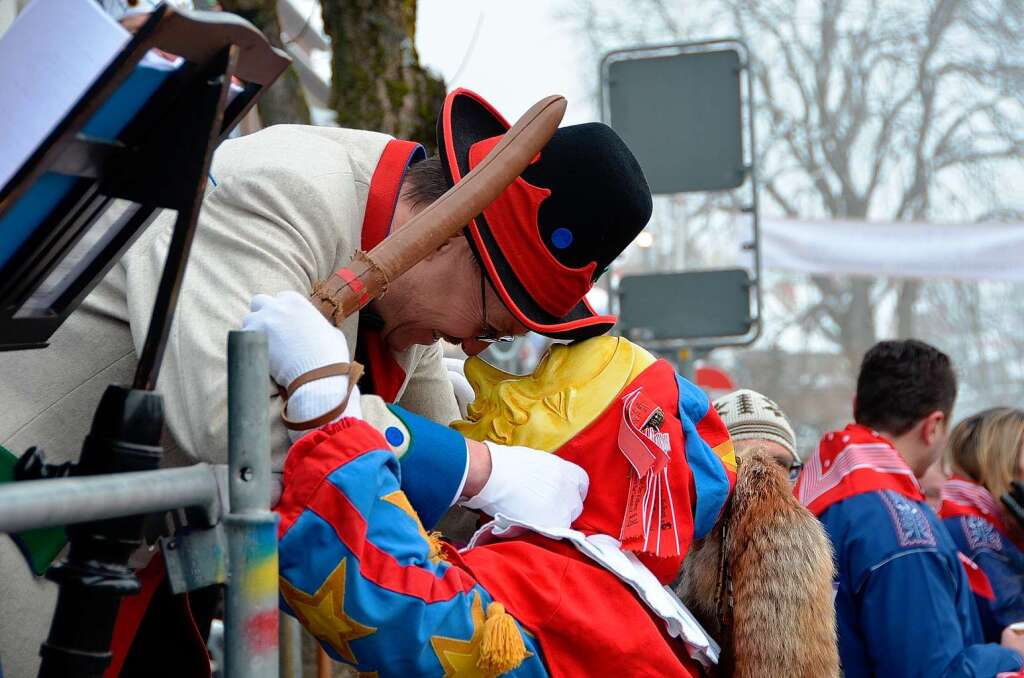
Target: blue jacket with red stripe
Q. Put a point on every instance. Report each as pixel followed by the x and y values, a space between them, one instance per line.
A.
pixel 1003 565
pixel 903 603
pixel 904 606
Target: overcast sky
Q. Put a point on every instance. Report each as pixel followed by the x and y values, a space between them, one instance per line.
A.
pixel 521 53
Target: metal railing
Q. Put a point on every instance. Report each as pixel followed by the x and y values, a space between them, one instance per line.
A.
pixel 242 519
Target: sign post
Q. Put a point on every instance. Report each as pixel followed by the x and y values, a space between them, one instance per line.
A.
pixel 686 110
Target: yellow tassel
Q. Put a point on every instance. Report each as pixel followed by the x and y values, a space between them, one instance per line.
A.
pixel 502 648
pixel 436 549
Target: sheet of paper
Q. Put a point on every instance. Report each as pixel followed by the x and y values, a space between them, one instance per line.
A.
pixel 51 54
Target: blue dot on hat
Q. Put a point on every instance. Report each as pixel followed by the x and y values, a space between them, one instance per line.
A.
pixel 561 238
pixel 394 436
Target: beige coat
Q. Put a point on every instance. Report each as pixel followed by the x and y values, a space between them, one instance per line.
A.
pixel 284 208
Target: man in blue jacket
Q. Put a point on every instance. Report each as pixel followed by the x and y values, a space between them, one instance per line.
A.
pixel 903 603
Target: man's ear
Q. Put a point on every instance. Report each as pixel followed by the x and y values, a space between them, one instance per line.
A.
pixel 451 245
pixel 932 427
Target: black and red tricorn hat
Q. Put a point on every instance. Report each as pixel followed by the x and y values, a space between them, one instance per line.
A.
pixel 558 226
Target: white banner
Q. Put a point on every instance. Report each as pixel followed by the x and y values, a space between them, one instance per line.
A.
pixel 897 249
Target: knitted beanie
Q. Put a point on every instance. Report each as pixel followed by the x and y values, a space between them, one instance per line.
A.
pixel 750 416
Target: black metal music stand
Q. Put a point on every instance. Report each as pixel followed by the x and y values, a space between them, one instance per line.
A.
pixel 156 156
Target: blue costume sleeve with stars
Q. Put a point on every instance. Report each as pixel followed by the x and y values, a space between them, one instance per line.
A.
pixel 903 603
pixel 359 571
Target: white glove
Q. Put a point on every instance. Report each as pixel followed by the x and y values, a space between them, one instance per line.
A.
pixel 300 339
pixel 532 487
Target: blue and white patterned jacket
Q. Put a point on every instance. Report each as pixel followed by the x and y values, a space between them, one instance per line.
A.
pixel 903 603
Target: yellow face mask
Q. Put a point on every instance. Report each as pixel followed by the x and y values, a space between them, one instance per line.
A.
pixel 570 388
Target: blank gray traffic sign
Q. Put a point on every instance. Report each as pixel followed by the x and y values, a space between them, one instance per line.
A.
pixel 681 117
pixel 691 305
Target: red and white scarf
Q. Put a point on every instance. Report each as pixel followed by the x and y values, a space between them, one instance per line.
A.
pixel 853 461
pixel 963 497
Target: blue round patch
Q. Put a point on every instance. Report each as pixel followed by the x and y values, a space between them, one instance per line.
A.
pixel 561 238
pixel 394 436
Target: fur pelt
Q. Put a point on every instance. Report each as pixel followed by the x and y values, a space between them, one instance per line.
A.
pixel 780 561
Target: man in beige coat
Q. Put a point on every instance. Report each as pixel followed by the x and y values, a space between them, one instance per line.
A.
pixel 287 207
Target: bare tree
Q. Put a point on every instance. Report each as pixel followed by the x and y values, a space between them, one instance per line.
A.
pixel 872 109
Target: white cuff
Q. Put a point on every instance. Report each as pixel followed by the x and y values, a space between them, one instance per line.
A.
pixel 462 483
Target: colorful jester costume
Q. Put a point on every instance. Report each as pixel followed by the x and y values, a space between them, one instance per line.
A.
pixel 361 571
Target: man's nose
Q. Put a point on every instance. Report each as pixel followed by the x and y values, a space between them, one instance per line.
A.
pixel 472 347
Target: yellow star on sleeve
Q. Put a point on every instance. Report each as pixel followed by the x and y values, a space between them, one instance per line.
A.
pixel 459 657
pixel 323 613
pixel 433 541
pixel 462 657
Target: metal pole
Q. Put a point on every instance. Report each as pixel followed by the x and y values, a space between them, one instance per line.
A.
pixel 250 614
pixel 748 67
pixel 291 646
pixel 31 504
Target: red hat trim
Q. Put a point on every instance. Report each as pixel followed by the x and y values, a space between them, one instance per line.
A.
pixel 512 218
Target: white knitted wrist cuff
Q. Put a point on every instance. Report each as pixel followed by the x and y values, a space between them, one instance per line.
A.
pixel 317 397
pixel 310 362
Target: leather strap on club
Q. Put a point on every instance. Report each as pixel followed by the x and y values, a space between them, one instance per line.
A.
pixel 353 370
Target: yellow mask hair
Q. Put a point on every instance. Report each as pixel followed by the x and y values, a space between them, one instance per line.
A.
pixel 571 386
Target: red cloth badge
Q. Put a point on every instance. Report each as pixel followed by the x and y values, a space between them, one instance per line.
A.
pixel 649 506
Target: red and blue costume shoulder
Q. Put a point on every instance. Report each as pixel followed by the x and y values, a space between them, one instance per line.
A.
pixel 903 602
pixel 974 521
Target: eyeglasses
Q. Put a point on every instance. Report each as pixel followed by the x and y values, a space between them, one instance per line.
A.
pixel 490 335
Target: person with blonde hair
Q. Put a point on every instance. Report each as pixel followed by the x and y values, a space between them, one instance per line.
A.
pixel 986 453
